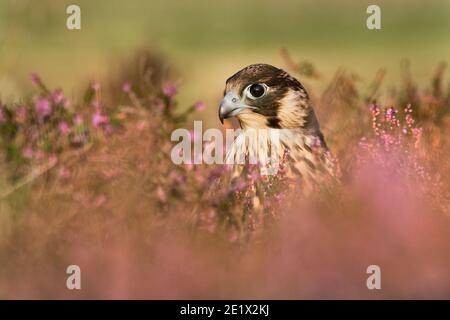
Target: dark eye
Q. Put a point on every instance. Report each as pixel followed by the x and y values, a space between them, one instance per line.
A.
pixel 256 90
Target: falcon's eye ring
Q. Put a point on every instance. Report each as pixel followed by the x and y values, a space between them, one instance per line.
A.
pixel 255 91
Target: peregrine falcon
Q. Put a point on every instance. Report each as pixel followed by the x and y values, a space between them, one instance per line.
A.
pixel 262 96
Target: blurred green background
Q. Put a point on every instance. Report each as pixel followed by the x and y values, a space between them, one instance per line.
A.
pixel 207 41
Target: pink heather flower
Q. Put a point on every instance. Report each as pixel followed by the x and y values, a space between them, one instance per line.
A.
pixel 200 105
pixel 34 134
pixel 173 176
pixel 111 173
pixel 66 103
pixel 39 154
pixel 161 194
pixel 142 166
pixel 96 86
pixel 64 128
pixel 233 235
pixel 390 111
pixel 97 104
pixel 27 152
pixel 53 159
pixel 80 138
pixel 159 104
pixel 199 177
pixel 35 79
pixel 169 90
pixel 239 186
pixel 99 201
pixel 64 173
pixel 43 108
pixel 141 125
pixel 78 120
pixel 99 119
pixel 108 129
pixel 254 176
pixel 409 120
pixel 58 97
pixel 126 87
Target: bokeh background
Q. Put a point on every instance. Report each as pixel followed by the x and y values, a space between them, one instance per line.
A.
pixel 207 41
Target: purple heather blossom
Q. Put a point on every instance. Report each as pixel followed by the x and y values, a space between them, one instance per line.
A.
pixel 43 108
pixel 254 176
pixel 64 173
pixel 108 129
pixel 35 79
pixel 99 119
pixel 126 87
pixel 161 194
pixel 78 120
pixel 64 128
pixel 200 105
pixel 233 235
pixel 409 119
pixel 372 107
pixel 39 154
pixel 96 86
pixel 99 201
pixel 239 186
pixel 175 177
pixel 170 90
pixel 27 152
pixel 141 125
pixel 58 97
pixel 52 158
pixel 97 104
pixel 390 111
pixel 80 138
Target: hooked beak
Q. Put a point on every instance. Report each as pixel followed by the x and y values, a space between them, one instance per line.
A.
pixel 230 106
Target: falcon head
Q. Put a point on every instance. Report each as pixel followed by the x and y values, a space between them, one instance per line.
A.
pixel 263 96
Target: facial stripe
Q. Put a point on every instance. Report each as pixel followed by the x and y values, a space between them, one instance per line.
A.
pixel 284 105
